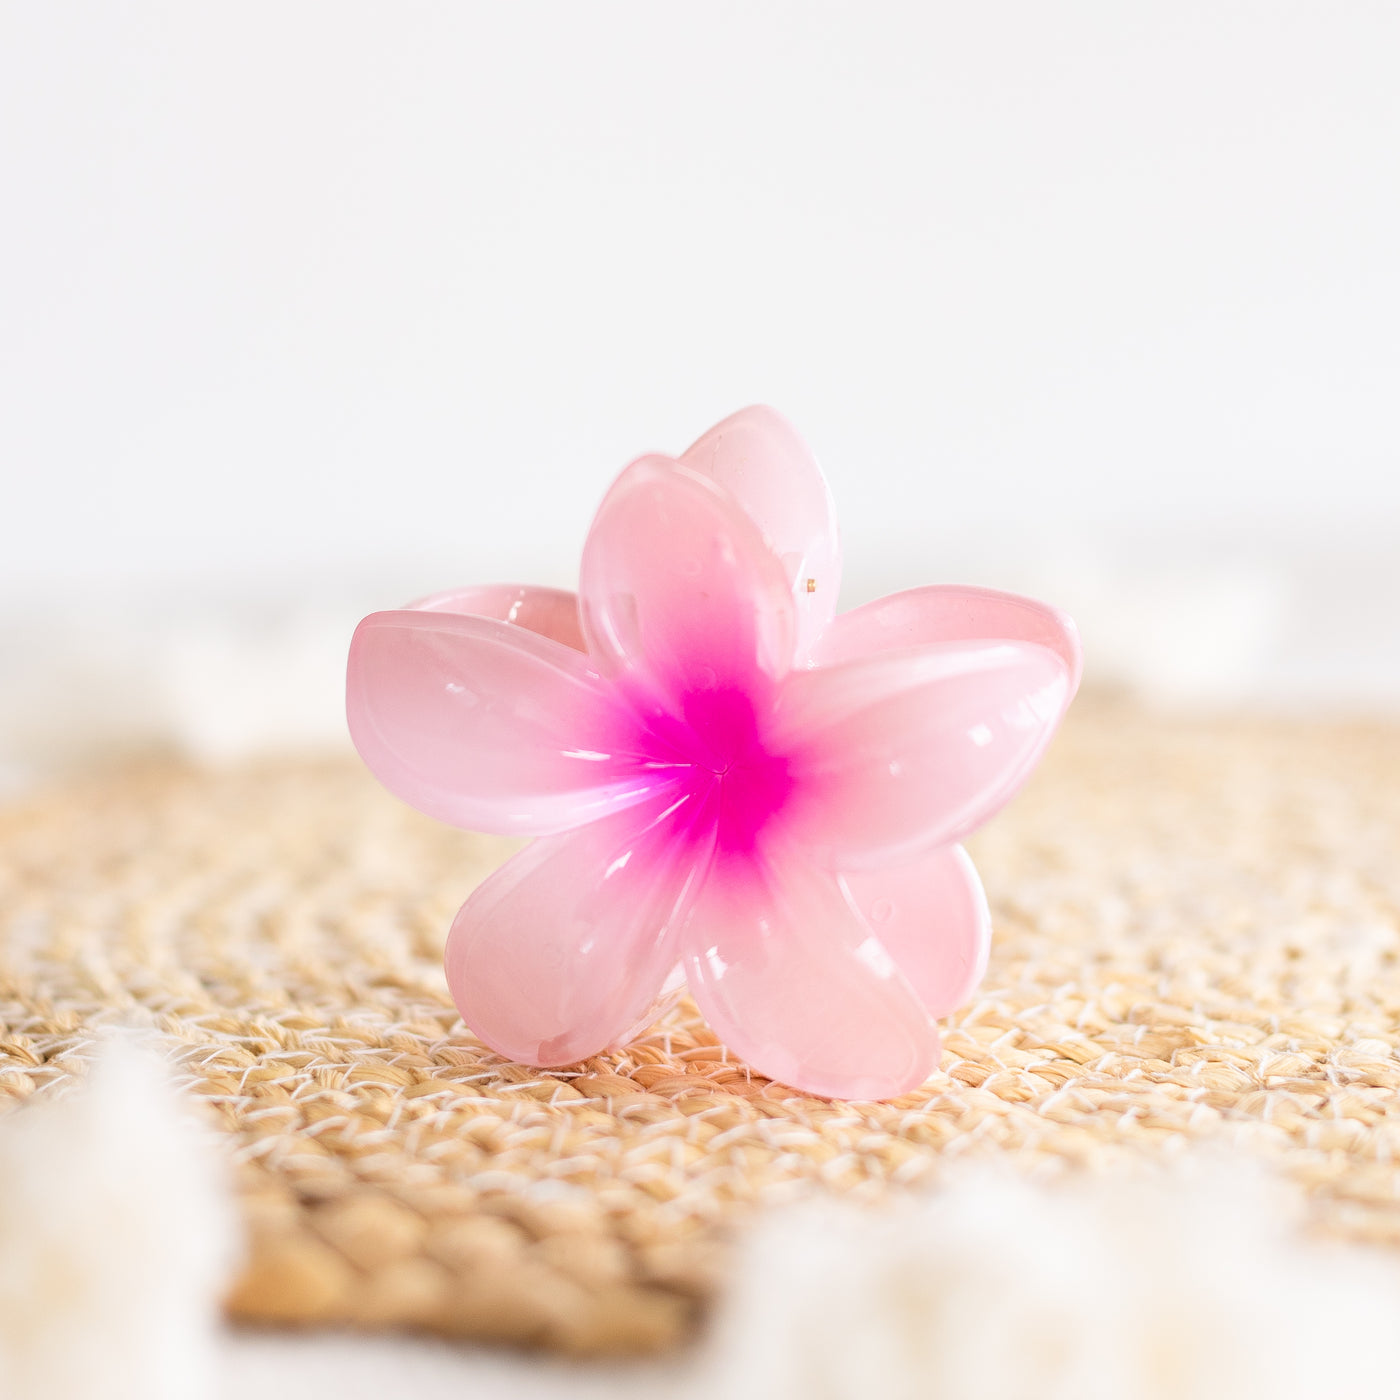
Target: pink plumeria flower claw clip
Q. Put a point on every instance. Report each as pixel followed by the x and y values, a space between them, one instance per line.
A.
pixel 730 786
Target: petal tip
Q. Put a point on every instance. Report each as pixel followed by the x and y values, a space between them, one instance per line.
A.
pixel 857 1084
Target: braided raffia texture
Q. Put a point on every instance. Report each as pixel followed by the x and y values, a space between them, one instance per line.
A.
pixel 1197 936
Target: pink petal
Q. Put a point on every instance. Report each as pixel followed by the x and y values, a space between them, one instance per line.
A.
pixel 565 949
pixel 757 456
pixel 910 749
pixel 791 978
pixel 948 613
pixel 552 612
pixel 681 596
pixel 488 726
pixel 931 917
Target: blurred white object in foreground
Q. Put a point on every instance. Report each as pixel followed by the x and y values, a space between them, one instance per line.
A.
pixel 1181 1287
pixel 1192 1282
pixel 117 1236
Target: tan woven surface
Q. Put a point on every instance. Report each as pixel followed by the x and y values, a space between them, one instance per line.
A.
pixel 1196 940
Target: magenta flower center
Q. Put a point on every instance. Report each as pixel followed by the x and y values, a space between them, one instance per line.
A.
pixel 721 739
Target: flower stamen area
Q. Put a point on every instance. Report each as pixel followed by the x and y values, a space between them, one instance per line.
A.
pixel 731 763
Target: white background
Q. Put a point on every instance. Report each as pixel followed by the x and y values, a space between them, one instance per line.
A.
pixel 307 309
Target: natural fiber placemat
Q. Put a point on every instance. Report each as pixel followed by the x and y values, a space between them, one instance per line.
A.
pixel 1196 938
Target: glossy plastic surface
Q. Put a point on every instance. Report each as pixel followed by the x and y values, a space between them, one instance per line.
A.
pixel 758 458
pixel 724 776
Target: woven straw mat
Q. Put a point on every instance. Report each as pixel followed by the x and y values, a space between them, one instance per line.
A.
pixel 1197 925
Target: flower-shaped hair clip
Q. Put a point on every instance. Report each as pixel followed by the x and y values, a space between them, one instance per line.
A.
pixel 731 786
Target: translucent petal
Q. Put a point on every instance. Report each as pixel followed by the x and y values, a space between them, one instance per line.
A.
pixel 909 749
pixel 931 917
pixel 948 613
pixel 757 456
pixel 680 594
pixel 565 949
pixel 487 725
pixel 790 977
pixel 552 612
